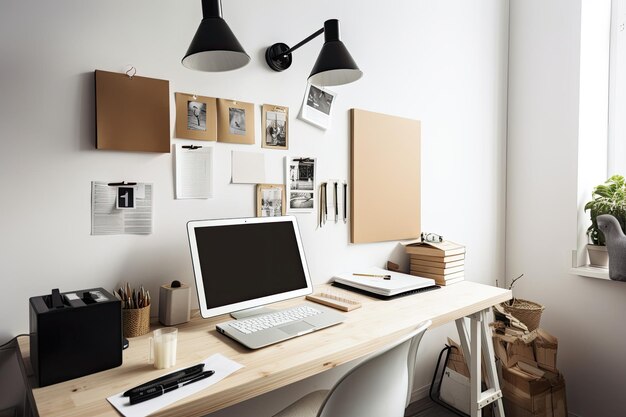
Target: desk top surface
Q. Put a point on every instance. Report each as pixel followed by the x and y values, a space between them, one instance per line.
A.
pixel 365 330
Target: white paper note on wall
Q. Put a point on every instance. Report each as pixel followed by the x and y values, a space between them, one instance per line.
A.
pixel 108 219
pixel 194 171
pixel 248 168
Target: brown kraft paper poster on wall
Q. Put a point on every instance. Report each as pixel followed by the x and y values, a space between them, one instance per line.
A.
pixel 385 177
pixel 235 121
pixel 196 117
pixel 132 113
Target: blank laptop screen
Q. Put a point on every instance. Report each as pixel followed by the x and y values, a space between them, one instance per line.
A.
pixel 247 261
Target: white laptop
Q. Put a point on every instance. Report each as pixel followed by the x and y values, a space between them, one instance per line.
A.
pixel 241 265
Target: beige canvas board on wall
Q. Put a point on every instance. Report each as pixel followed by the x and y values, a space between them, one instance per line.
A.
pixel 235 121
pixel 196 117
pixel 132 113
pixel 385 177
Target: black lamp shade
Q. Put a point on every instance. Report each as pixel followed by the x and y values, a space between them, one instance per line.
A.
pixel 334 65
pixel 214 47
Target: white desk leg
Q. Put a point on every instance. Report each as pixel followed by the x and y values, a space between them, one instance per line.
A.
pixel 480 338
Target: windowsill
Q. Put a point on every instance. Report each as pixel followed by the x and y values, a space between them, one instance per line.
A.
pixel 591 272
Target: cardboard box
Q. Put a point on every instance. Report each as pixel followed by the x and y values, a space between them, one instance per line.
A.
pixel 525 383
pixel 456 361
pixel 550 403
pixel 542 350
pixel 545 347
pixel 531 396
pixel 511 350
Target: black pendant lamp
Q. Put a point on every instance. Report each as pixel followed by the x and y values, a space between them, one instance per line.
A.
pixel 214 48
pixel 334 65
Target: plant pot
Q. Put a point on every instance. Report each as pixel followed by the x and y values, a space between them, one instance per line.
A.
pixel 598 256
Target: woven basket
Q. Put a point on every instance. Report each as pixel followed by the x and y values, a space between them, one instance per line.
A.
pixel 525 311
pixel 136 321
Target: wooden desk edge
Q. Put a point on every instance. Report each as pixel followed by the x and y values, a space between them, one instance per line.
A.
pixel 201 404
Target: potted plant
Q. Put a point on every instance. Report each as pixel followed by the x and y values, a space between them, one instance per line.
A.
pixel 607 198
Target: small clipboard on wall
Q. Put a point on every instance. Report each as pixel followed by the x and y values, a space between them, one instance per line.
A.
pixel 235 121
pixel 196 117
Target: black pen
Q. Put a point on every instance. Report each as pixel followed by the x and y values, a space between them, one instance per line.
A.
pixel 173 377
pixel 345 199
pixel 336 204
pixel 325 203
pixel 165 388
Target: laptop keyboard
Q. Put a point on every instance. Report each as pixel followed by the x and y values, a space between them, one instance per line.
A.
pixel 267 321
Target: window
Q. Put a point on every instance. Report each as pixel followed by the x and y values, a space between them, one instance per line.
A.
pixel 592 117
pixel 617 90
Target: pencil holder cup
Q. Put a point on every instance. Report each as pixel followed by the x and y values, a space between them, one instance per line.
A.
pixel 136 321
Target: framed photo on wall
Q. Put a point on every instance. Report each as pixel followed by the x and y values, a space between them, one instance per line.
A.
pixel 317 106
pixel 275 127
pixel 235 120
pixel 196 117
pixel 300 174
pixel 270 200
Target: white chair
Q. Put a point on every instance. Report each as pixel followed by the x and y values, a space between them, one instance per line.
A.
pixel 379 386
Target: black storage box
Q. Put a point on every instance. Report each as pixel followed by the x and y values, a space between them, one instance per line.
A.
pixel 74 334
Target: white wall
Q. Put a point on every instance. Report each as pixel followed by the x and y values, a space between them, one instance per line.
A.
pixel 442 62
pixel 584 313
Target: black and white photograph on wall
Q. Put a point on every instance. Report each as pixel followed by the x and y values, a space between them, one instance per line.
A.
pixel 319 99
pixel 300 174
pixel 317 106
pixel 301 202
pixel 270 200
pixel 275 127
pixel 237 121
pixel 196 115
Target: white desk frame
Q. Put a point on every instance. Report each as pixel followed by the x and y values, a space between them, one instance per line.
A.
pixel 471 345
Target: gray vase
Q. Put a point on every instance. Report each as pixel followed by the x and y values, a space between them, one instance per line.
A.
pixel 615 245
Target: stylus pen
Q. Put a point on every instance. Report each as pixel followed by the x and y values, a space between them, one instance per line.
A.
pixel 386 276
pixel 173 377
pixel 163 389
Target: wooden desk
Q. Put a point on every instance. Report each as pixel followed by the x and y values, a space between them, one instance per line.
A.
pixel 366 330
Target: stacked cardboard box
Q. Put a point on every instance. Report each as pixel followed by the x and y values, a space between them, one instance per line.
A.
pixel 531 384
pixel 442 261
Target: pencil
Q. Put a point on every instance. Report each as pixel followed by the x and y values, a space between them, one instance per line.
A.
pixel 373 275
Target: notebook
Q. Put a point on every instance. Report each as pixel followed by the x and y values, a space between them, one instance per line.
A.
pixel 398 283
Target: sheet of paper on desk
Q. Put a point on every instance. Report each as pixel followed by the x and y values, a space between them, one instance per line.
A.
pixel 219 363
pixel 194 172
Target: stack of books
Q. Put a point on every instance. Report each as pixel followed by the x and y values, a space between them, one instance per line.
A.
pixel 442 261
